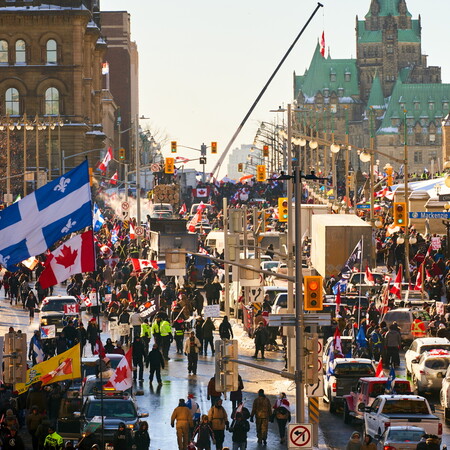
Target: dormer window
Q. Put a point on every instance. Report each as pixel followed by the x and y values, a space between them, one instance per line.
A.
pixel 347 76
pixel 431 106
pixel 340 92
pixel 326 92
pixel 416 106
pixel 445 105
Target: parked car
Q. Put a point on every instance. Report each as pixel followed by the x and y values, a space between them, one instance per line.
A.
pixel 367 389
pixel 429 370
pixel 421 345
pixel 402 437
pixel 342 375
pixel 404 318
pixel 445 395
pixel 390 410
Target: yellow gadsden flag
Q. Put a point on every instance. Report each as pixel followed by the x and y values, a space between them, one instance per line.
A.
pixel 65 366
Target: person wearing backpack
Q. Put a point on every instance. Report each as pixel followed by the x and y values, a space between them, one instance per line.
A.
pixel 282 414
pixel 239 429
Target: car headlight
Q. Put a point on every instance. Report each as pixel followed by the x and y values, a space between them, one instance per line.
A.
pixel 44 321
pixel 130 426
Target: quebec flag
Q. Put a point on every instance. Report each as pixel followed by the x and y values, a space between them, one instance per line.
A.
pixel 98 219
pixel 32 225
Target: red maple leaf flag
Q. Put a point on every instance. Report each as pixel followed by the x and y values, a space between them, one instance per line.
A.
pixel 99 349
pixel 71 308
pixel 75 256
pixel 396 288
pixel 140 264
pixel 114 178
pixel 322 44
pixel 121 379
pixel 368 277
pixel 108 157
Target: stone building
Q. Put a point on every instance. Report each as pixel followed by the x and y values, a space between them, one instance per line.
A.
pixel 51 55
pixel 388 86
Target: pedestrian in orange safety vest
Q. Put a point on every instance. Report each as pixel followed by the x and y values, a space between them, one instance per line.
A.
pixel 418 328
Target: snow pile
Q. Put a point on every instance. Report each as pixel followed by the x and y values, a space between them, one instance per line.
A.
pixel 241 335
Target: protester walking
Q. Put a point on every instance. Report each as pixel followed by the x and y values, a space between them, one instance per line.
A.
pixel 219 421
pixel 262 410
pixel 282 414
pixel 183 418
pixel 192 347
pixel 156 362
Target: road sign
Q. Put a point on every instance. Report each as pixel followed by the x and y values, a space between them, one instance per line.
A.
pixel 300 436
pixel 139 231
pixel 363 206
pixel 316 389
pixel 155 167
pixel 429 215
pixel 125 206
pixel 288 320
pixel 256 294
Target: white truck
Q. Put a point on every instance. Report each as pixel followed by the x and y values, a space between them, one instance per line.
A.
pixel 393 410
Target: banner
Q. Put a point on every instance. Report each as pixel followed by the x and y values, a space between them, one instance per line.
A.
pixel 48 331
pixel 60 364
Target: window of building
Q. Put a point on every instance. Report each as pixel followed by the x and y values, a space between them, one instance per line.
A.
pixel 348 76
pixel 21 57
pixel 332 77
pixel 340 92
pixel 417 106
pixel 12 102
pixel 326 92
pixel 432 138
pixel 445 105
pixel 3 52
pixel 52 54
pixel 417 157
pixel 389 48
pixel 52 102
pixel 431 106
pixel 432 156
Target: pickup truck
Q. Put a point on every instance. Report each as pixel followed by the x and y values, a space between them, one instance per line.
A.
pixel 364 394
pixel 393 410
pixel 342 374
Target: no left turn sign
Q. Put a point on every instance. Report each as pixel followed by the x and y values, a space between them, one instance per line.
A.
pixel 125 206
pixel 300 436
pixel 139 231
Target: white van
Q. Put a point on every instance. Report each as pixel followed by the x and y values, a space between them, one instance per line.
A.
pixel 216 240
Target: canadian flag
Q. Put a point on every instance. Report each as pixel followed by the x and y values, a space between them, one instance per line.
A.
pixel 396 288
pixel 181 159
pixel 121 379
pixel 337 344
pixel 85 299
pixel 99 349
pixel 160 283
pixel 368 277
pixel 419 279
pixel 322 44
pixel 389 195
pixel 76 255
pixel 196 219
pixel 140 264
pixel 108 157
pixel 132 232
pixel 71 309
pixel 201 192
pixel 183 210
pixel 338 303
pixel 379 373
pixel 114 178
pixel 385 298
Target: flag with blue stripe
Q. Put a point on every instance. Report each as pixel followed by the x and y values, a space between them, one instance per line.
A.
pixel 390 381
pixel 98 219
pixel 340 286
pixel 32 225
pixel 38 352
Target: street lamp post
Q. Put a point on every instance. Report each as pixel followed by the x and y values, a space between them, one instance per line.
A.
pixel 39 126
pixel 406 178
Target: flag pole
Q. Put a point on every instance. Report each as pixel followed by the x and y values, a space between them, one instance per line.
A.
pixel 360 286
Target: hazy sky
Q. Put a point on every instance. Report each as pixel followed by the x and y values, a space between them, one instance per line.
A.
pixel 203 62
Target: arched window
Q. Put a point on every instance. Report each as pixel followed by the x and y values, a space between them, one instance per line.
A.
pixel 21 57
pixel 52 54
pixel 3 52
pixel 12 102
pixel 52 102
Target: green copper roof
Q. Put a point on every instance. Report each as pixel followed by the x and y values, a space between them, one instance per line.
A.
pixel 424 103
pixel 388 8
pixel 367 36
pixel 338 75
pixel 376 97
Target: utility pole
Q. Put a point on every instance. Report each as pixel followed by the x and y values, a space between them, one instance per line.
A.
pixel 406 178
pixel 138 183
pixel 290 221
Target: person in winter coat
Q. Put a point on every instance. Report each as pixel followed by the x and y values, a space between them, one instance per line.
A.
pixel 92 333
pixel 219 421
pixel 368 443
pixel 156 361
pixel 33 420
pixel 354 442
pixel 178 327
pixel 124 327
pixel 236 396
pixel 213 394
pixel 225 330
pixel 182 415
pixel 262 409
pixel 12 441
pixel 136 322
pixel 282 414
pixel 42 431
pixel 392 343
pixel 81 336
pixel 208 329
pixel 53 441
pixel 239 427
pixel 122 438
pixel 192 347
pixel 205 434
pixel 31 303
pixel 109 346
pixel 141 437
pixel 261 338
pixel 138 356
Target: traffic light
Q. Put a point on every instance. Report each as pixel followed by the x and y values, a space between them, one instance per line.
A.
pixel 400 214
pixel 122 154
pixel 311 358
pixel 15 357
pixel 169 166
pixel 390 180
pixel 265 151
pixel 283 209
pixel 240 167
pixel 173 146
pixel 214 147
pixel 226 372
pixel 261 172
pixel 91 173
pixel 313 293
